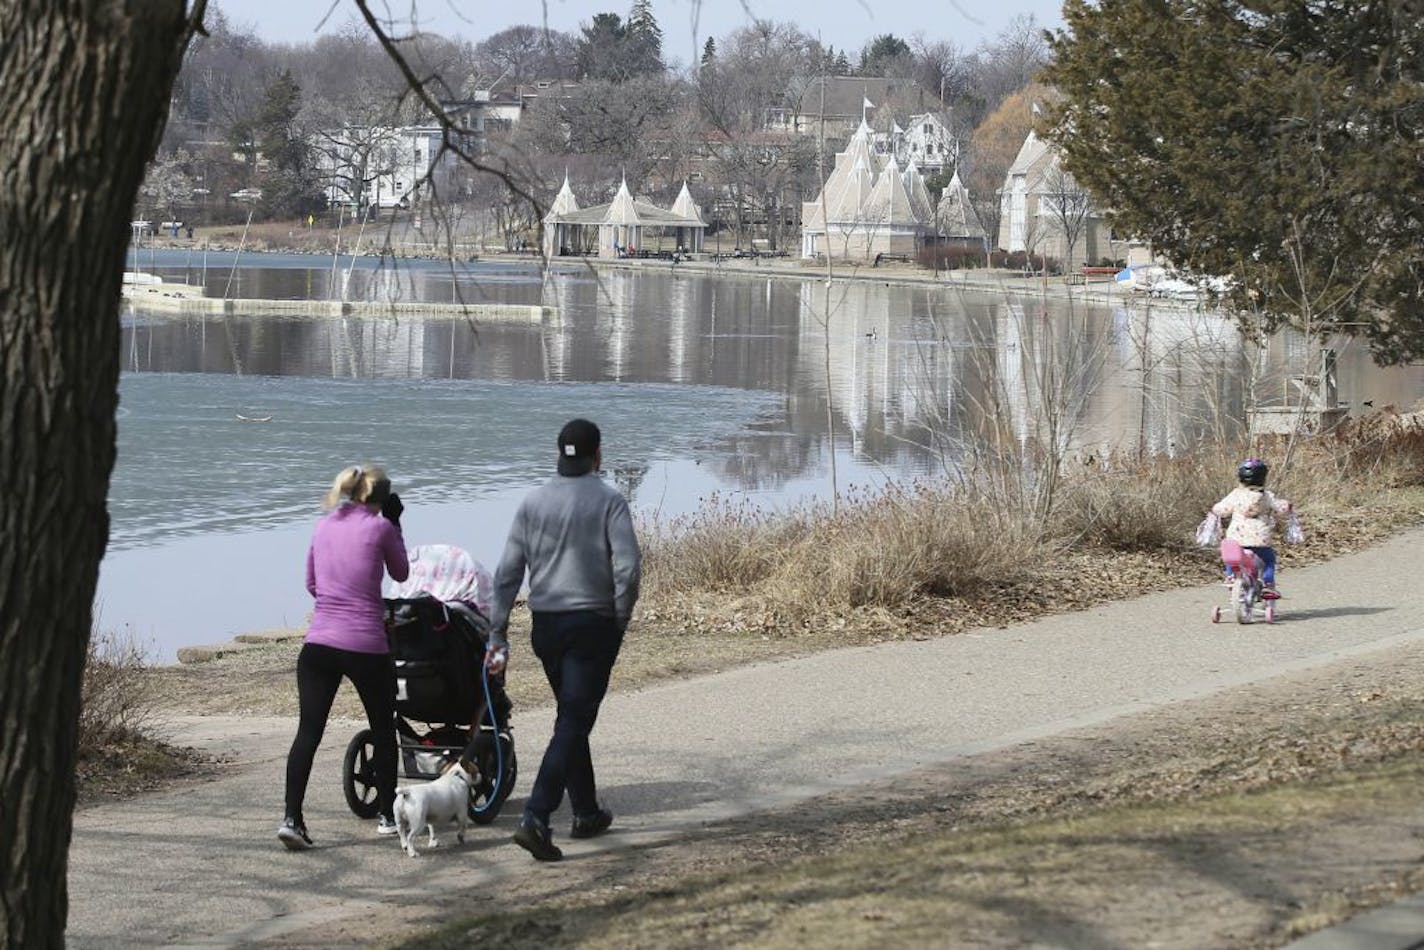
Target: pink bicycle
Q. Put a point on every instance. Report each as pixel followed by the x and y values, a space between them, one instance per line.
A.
pixel 1248 590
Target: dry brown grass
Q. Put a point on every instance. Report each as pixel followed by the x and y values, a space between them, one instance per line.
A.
pixel 904 550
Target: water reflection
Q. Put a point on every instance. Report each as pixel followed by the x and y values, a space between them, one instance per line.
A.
pixel 913 373
pixel 703 383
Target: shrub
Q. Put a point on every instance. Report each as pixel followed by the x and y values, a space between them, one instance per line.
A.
pixel 1128 506
pixel 115 704
pixel 951 256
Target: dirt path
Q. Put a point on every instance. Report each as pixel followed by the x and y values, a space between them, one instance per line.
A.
pixel 852 729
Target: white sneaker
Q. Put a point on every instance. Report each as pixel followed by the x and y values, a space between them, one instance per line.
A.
pixel 386 826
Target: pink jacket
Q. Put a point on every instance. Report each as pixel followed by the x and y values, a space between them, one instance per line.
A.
pixel 350 550
pixel 1256 530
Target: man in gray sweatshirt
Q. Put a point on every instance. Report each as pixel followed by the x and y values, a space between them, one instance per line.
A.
pixel 575 536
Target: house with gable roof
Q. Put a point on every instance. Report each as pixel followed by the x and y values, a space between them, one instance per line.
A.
pixel 1044 210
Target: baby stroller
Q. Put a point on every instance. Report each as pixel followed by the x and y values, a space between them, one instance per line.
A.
pixel 446 706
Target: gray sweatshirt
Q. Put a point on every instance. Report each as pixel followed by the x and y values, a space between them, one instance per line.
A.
pixel 575 536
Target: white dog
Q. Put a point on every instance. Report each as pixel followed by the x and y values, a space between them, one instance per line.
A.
pixel 444 800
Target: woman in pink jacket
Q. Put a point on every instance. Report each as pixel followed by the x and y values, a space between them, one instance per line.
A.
pixel 353 546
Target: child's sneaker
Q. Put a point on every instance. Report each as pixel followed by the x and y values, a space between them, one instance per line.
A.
pixel 1270 593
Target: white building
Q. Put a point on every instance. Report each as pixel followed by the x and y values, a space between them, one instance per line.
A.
pixel 623 226
pixel 925 142
pixel 373 167
pixel 868 206
pixel 1044 211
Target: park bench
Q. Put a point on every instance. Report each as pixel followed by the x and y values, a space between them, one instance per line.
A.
pixel 888 258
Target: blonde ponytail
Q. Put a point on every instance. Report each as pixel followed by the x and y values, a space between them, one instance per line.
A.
pixel 355 483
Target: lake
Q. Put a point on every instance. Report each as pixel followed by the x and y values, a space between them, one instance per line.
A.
pixel 231 428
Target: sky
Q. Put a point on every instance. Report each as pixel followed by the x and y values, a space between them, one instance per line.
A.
pixel 844 24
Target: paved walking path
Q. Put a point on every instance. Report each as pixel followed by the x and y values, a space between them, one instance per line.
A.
pixel 200 866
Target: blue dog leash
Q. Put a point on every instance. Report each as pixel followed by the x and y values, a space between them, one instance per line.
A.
pixel 498 747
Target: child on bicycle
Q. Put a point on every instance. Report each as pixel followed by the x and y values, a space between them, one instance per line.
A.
pixel 1255 514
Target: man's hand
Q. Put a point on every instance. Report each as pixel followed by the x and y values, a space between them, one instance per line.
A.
pixel 392 509
pixel 496 659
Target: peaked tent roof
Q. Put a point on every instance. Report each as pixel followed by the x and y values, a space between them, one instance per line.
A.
pixel 857 150
pixel 889 202
pixel 564 202
pixel 920 201
pixel 623 209
pixel 955 215
pixel 1031 157
pixel 685 206
pixel 845 196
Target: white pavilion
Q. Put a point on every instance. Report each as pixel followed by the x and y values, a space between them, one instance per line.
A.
pixel 622 227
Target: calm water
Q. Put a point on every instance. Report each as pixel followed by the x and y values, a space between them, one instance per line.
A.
pixel 702 385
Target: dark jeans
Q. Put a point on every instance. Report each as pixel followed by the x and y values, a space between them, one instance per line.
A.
pixel 319 672
pixel 578 649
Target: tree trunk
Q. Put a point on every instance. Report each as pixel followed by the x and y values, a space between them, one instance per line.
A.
pixel 87 85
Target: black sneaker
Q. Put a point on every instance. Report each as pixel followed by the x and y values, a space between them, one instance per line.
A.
pixel 533 836
pixel 592 824
pixel 293 834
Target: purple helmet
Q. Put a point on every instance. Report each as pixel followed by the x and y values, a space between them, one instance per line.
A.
pixel 1253 472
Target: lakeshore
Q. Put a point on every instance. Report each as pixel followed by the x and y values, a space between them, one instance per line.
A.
pixel 1099 289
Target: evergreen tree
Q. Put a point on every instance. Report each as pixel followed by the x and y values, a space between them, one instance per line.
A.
pixel 1276 143
pixel 644 40
pixel 882 54
pixel 600 49
pixel 709 51
pixel 611 50
pixel 287 189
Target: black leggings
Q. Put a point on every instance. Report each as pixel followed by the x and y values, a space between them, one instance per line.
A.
pixel 319 672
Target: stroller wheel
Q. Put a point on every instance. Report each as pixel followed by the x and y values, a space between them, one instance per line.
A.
pixel 1216 615
pixel 358 775
pixel 487 797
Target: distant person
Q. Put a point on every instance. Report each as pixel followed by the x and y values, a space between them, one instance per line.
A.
pixel 190 232
pixel 1255 515
pixel 574 535
pixel 352 547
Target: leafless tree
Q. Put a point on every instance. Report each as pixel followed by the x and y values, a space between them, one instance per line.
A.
pixel 1066 207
